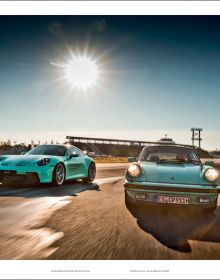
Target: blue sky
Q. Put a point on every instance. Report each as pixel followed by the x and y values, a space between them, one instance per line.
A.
pixel 159 74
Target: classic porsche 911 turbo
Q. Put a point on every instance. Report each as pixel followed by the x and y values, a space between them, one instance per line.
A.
pixel 48 164
pixel 171 174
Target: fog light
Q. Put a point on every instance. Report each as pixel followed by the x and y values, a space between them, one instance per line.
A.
pixel 204 199
pixel 141 196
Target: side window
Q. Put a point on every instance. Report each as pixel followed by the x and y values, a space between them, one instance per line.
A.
pixel 79 152
pixel 193 156
pixel 73 150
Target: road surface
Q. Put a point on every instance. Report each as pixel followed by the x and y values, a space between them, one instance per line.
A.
pixel 91 222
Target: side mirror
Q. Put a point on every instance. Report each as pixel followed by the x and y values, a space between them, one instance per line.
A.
pixel 210 163
pixel 131 159
pixel 73 155
pixel 23 153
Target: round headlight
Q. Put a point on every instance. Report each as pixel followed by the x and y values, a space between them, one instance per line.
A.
pixel 134 170
pixel 211 174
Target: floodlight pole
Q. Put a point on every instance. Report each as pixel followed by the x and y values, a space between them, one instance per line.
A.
pixel 199 138
pixel 194 138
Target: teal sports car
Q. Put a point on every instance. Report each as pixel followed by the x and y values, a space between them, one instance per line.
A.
pixel 171 174
pixel 48 164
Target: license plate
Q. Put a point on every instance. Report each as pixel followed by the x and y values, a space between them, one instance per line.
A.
pixel 172 199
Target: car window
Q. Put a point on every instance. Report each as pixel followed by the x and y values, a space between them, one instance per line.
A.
pixel 73 150
pixel 168 153
pixel 50 150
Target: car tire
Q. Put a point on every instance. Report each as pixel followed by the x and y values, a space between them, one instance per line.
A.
pixel 132 206
pixel 129 202
pixel 91 173
pixel 59 174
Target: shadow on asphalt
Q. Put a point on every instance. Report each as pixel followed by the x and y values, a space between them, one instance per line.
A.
pixel 47 190
pixel 173 227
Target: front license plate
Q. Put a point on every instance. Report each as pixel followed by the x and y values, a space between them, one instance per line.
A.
pixel 172 199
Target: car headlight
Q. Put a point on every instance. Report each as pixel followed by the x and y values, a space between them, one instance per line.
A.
pixel 43 162
pixel 134 170
pixel 2 158
pixel 211 174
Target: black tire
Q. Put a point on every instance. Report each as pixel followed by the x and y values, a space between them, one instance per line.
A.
pixel 128 201
pixel 132 206
pixel 91 173
pixel 209 210
pixel 59 174
pixel 131 203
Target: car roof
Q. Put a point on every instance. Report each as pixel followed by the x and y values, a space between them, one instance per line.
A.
pixel 52 145
pixel 58 145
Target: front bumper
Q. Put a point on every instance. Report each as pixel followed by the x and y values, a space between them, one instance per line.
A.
pixel 19 174
pixel 148 192
pixel 13 177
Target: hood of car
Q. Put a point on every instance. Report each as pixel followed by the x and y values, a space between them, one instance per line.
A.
pixel 176 173
pixel 21 160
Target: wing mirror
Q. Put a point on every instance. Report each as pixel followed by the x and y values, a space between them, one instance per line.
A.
pixel 131 159
pixel 73 155
pixel 210 163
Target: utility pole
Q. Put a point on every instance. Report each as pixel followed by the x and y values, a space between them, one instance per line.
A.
pixel 196 136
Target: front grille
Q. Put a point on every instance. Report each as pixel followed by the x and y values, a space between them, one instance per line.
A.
pixel 11 176
pixel 7 172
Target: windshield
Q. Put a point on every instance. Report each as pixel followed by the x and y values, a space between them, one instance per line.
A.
pixel 50 150
pixel 168 154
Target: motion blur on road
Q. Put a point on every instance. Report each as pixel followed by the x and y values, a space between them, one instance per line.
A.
pixel 90 221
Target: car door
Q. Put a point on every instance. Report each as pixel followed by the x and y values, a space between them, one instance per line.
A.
pixel 75 163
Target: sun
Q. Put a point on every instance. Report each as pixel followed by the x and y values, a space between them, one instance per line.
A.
pixel 82 72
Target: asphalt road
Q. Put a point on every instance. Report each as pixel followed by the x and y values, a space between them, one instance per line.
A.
pixel 91 221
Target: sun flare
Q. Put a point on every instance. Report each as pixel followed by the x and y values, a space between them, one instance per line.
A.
pixel 82 72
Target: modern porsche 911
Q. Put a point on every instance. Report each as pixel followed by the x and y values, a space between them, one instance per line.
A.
pixel 47 164
pixel 171 174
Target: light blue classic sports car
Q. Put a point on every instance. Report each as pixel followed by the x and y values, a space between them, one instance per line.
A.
pixel 48 164
pixel 171 174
